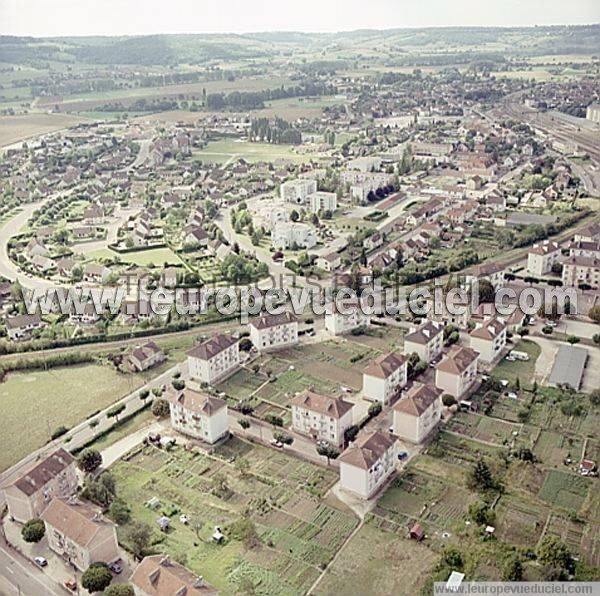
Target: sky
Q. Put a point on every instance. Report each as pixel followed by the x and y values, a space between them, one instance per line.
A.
pixel 120 17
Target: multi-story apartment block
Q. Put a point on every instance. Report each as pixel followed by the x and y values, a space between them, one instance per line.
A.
pixel 427 341
pixel 368 463
pixel 297 191
pixel 384 377
pixel 79 533
pixel 198 415
pixel 489 339
pixel 541 258
pixel 322 201
pixel 274 331
pixel 351 317
pixel 457 372
pixel 450 309
pixel 214 360
pixel 54 477
pixel 418 413
pixel 321 417
pixel 293 235
pixel 158 575
pixel 581 271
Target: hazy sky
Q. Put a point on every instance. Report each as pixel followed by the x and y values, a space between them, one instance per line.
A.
pixel 114 17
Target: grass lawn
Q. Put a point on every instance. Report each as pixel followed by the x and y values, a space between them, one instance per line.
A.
pixel 378 562
pixel 143 257
pixel 296 532
pixel 524 371
pixel 36 403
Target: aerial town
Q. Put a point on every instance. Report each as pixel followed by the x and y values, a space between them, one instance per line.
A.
pixel 299 451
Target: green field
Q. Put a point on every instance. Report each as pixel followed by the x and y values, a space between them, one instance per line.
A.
pixel 150 256
pixel 524 371
pixel 296 532
pixel 224 150
pixel 35 403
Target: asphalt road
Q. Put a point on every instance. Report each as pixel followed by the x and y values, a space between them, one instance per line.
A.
pixel 18 576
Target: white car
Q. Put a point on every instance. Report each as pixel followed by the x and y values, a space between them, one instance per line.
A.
pixel 41 561
pixel 512 395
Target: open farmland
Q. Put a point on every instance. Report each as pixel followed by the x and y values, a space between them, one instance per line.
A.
pixel 295 532
pixel 25 126
pixel 224 150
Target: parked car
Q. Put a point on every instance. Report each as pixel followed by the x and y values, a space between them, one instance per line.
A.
pixel 71 584
pixel 154 437
pixel 402 455
pixel 40 561
pixel 116 566
pixel 276 443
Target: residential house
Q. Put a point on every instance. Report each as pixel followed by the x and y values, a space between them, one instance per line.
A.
pixel 95 273
pixel 145 356
pixel 329 262
pixel 55 476
pixel 78 532
pixel 367 463
pixel 427 340
pixel 86 315
pixel 214 359
pixel 274 331
pixel 198 415
pixel 489 339
pixel 322 418
pixel 457 372
pixel 21 327
pixel 158 575
pixel 384 377
pixel 417 413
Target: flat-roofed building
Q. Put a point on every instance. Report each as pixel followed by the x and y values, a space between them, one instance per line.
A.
pixel 569 367
pixel 214 360
pixel 322 417
pixel 417 413
pixel 53 477
pixel 367 463
pixel 385 376
pixel 322 201
pixel 297 191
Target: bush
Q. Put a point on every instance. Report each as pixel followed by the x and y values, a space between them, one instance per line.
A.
pixel 547 330
pixel 59 432
pixel 33 530
pixel 274 419
pixel 89 460
pixel 96 577
pixel 448 400
pixel 119 590
pixel 481 514
pixel 160 408
pixel 375 409
pixel 119 512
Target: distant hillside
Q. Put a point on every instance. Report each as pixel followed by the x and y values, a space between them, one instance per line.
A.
pixel 174 49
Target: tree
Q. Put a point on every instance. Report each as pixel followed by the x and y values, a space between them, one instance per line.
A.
pixel 329 451
pixel 486 291
pixel 119 512
pixel 448 400
pixel 573 339
pixel 553 552
pixel 96 577
pixel 244 423
pixel 594 313
pixel 294 215
pixel 144 394
pixel 452 558
pixel 481 514
pixel 33 530
pixel 139 535
pixel 160 408
pixel 350 433
pixel 89 460
pixel 595 397
pixel 119 590
pixel 115 411
pixel 101 490
pixel 480 476
pixel 512 570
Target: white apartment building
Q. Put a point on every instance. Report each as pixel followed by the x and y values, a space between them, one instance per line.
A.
pixel 541 258
pixel 454 309
pixel 329 262
pixel 384 377
pixel 198 415
pixel 427 341
pixel 53 477
pixel 214 360
pixel 290 235
pixel 274 331
pixel 367 464
pixel 297 191
pixel 78 532
pixel 320 417
pixel 418 413
pixel 351 318
pixel 579 271
pixel 489 339
pixel 457 372
pixel 322 201
pixel 365 164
